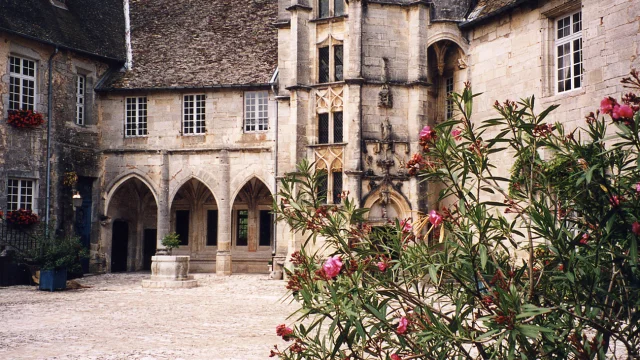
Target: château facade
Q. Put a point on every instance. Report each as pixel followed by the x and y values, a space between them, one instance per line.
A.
pixel 194 110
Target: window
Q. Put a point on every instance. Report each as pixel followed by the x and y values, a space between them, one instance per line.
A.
pixel 256 111
pixel 337 187
pixel 330 124
pixel 193 118
pixel 569 52
pixel 323 186
pixel 328 71
pixel 328 7
pixel 212 228
pixel 242 236
pixel 22 84
pixel 136 123
pixel 182 226
pixel 449 100
pixel 81 82
pixel 266 219
pixel 20 194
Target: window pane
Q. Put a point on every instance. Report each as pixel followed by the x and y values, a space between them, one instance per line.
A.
pixel 323 128
pixel 266 219
pixel 337 187
pixel 337 127
pixel 322 186
pixel 182 226
pixel 243 228
pixel 449 101
pixel 338 7
pixel 323 63
pixel 337 62
pixel 323 8
pixel 577 22
pixel 212 228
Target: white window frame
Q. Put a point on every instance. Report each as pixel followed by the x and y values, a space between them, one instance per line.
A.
pixel 569 39
pixel 23 82
pixel 256 111
pixel 136 116
pixel 81 89
pixel 29 202
pixel 194 114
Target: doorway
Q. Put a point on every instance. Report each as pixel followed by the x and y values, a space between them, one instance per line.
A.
pixel 150 244
pixel 120 246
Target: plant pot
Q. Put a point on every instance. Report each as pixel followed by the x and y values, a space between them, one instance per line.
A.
pixel 53 280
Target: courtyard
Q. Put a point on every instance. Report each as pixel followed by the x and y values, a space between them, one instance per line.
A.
pixel 115 318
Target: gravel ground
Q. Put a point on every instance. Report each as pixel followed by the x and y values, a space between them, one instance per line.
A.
pixel 224 318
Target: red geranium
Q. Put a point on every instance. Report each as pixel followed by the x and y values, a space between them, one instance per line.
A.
pixel 25 119
pixel 22 217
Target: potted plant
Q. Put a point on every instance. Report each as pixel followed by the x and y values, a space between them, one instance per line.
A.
pixel 171 241
pixel 25 119
pixel 55 258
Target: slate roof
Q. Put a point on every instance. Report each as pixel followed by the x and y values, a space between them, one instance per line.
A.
pixel 200 44
pixel 89 26
pixel 489 8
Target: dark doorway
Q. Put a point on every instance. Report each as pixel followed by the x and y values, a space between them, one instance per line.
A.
pixel 266 224
pixel 83 217
pixel 182 226
pixel 119 246
pixel 150 243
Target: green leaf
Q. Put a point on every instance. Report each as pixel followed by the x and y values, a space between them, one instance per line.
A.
pixel 483 256
pixel 531 331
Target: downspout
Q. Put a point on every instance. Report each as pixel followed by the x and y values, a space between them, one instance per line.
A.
pixel 274 245
pixel 47 214
pixel 362 143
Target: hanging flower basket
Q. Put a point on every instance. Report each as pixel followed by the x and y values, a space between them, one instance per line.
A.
pixel 70 179
pixel 25 119
pixel 22 217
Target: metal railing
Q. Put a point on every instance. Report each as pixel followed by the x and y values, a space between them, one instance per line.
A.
pixel 22 240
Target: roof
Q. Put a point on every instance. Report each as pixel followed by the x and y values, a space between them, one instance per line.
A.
pixel 488 8
pixel 199 44
pixel 94 27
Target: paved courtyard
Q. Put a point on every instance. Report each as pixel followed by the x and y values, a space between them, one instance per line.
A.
pixel 224 318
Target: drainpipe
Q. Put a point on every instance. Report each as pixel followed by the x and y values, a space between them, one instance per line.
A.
pixel 275 185
pixel 47 205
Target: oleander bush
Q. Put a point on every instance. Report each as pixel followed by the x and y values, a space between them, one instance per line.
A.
pixel 539 264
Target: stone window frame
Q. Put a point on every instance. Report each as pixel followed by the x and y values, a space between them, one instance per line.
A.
pixel 329 190
pixel 174 222
pixel 550 14
pixel 81 92
pixel 34 192
pixel 137 116
pixel 195 129
pixel 331 9
pixel 259 123
pixel 22 77
pixel 88 71
pixel 18 50
pixel 331 42
pixel 331 118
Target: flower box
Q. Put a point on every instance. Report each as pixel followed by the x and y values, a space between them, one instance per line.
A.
pixel 25 119
pixel 22 217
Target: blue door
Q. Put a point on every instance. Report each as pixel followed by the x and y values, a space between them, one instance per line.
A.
pixel 83 217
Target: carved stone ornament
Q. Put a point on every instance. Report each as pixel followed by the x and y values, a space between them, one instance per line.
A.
pixel 385 97
pixel 386 129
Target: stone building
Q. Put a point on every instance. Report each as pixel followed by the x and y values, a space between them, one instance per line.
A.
pixel 199 107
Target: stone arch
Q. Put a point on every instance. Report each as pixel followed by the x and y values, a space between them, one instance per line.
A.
pixel 115 184
pixel 184 181
pixel 245 175
pixel 449 35
pixel 399 203
pixel 252 218
pixel 184 176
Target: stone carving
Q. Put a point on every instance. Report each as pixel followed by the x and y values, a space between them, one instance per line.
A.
pixel 329 100
pixel 386 129
pixel 385 97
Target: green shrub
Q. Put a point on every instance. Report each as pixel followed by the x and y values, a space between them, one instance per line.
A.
pixel 171 241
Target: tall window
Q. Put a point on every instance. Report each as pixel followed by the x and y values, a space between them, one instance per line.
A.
pixel 323 186
pixel 193 118
pixel 337 187
pixel 256 111
pixel 242 234
pixel 212 228
pixel 329 188
pixel 20 194
pixel 330 128
pixel 22 84
pixel 182 226
pixel 569 52
pixel 328 8
pixel 266 220
pixel 449 100
pixel 81 82
pixel 136 122
pixel 330 68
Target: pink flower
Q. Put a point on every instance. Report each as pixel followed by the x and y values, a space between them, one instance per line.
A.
pixel 585 239
pixel 332 266
pixel 406 226
pixel 606 105
pixel 284 331
pixel 402 325
pixel 427 134
pixel 382 266
pixel 457 134
pixel 434 218
pixel 625 111
pixel 615 200
pixel 395 357
pixel 635 228
pixel 638 187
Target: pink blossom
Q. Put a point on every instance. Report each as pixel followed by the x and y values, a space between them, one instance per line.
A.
pixel 382 265
pixel 427 134
pixel 434 218
pixel 635 228
pixel 402 325
pixel 406 226
pixel 625 111
pixel 284 331
pixel 457 134
pixel 615 200
pixel 638 187
pixel 606 105
pixel 395 357
pixel 585 239
pixel 332 266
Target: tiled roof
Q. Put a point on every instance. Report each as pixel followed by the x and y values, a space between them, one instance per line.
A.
pixel 90 26
pixel 488 8
pixel 199 44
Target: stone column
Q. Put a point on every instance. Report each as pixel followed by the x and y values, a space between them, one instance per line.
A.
pixel 164 208
pixel 223 257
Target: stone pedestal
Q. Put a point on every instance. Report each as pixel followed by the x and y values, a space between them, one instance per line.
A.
pixel 169 272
